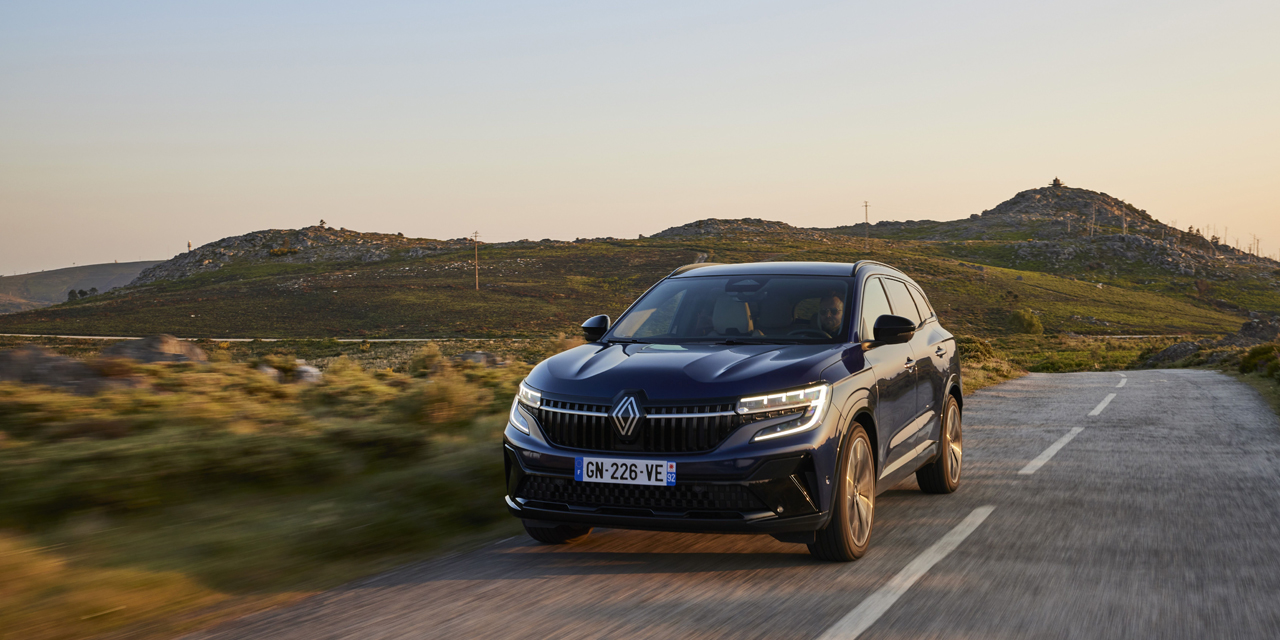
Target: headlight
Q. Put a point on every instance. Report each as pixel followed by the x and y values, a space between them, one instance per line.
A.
pixel 528 397
pixel 807 404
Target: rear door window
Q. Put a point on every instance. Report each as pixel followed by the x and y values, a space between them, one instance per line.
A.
pixel 922 303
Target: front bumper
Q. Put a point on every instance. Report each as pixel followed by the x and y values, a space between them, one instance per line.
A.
pixel 752 488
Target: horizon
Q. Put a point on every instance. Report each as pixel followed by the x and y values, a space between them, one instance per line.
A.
pixel 127 130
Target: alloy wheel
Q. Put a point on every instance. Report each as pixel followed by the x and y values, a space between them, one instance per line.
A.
pixel 955 444
pixel 860 489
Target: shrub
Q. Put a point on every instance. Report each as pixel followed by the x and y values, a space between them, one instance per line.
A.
pixel 974 349
pixel 349 391
pixel 1024 321
pixel 425 360
pixel 446 400
pixel 1259 357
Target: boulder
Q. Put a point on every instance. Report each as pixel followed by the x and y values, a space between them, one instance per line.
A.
pixel 307 374
pixel 37 365
pixel 1172 354
pixel 161 348
pixel 481 358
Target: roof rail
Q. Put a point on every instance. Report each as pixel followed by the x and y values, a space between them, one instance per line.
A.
pixel 860 263
pixel 690 267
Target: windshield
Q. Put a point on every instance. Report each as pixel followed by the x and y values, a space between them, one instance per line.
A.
pixel 809 309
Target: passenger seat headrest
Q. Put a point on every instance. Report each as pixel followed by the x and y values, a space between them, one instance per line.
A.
pixel 731 317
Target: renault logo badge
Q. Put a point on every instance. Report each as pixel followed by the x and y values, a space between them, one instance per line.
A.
pixel 626 415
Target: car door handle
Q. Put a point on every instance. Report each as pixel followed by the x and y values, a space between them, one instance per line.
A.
pixel 909 363
pixel 940 352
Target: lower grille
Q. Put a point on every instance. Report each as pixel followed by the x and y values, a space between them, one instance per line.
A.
pixel 682 497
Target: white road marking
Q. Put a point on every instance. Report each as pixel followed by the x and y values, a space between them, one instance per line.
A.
pixel 1102 405
pixel 1122 381
pixel 1048 453
pixel 864 615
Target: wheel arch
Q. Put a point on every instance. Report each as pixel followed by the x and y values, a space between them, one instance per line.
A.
pixel 955 390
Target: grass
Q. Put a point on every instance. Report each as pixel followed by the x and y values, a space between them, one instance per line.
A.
pixel 531 290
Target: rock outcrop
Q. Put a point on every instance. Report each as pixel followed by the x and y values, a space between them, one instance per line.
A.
pixel 161 348
pixel 33 364
pixel 742 228
pixel 1251 334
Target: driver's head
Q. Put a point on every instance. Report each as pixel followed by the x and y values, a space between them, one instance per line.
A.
pixel 831 313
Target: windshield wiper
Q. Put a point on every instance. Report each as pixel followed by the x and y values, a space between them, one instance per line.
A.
pixel 627 341
pixel 731 341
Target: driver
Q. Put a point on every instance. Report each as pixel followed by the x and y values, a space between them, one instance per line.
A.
pixel 830 314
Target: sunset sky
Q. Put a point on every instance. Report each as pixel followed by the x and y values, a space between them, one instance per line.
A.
pixel 129 129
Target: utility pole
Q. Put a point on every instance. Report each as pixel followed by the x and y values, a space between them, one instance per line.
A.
pixel 866 219
pixel 475 239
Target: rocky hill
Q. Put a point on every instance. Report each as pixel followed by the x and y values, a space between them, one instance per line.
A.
pixel 283 246
pixel 744 229
pixel 1065 229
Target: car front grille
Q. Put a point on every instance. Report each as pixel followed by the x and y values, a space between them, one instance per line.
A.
pixel 664 429
pixel 681 497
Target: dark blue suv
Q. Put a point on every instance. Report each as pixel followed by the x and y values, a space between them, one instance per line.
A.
pixel 771 397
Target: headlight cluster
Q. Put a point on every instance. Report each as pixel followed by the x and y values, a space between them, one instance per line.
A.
pixel 807 404
pixel 528 397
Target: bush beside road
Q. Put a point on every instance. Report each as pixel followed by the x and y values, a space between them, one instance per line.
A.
pixel 222 487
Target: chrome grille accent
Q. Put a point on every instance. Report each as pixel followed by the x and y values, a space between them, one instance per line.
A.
pixel 665 429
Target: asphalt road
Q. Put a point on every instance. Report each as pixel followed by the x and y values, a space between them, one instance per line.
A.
pixel 1156 517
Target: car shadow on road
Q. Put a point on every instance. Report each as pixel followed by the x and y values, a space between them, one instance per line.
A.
pixel 609 553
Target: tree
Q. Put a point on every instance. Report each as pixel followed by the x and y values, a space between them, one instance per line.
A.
pixel 93 291
pixel 83 293
pixel 72 295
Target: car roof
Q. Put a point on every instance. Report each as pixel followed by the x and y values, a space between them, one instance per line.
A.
pixel 845 269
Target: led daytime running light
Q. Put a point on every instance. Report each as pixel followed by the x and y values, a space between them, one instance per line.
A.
pixel 529 396
pixel 815 398
pixel 516 417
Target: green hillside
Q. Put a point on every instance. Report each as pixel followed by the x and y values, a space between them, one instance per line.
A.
pixel 1076 261
pixel 533 289
pixel 31 290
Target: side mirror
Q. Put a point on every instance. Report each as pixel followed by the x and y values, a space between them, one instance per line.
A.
pixel 893 329
pixel 595 327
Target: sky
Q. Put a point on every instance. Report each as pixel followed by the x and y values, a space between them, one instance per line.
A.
pixel 128 129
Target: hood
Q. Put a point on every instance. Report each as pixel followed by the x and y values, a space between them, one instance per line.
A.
pixel 682 372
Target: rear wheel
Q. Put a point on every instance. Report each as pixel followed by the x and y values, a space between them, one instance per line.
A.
pixel 558 534
pixel 847 534
pixel 943 475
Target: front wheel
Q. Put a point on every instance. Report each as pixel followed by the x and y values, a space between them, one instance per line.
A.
pixel 943 475
pixel 558 534
pixel 846 536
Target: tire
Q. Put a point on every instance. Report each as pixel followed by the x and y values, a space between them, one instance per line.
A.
pixel 943 475
pixel 558 534
pixel 847 534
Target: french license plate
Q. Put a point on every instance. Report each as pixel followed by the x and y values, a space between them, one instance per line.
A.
pixel 652 472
